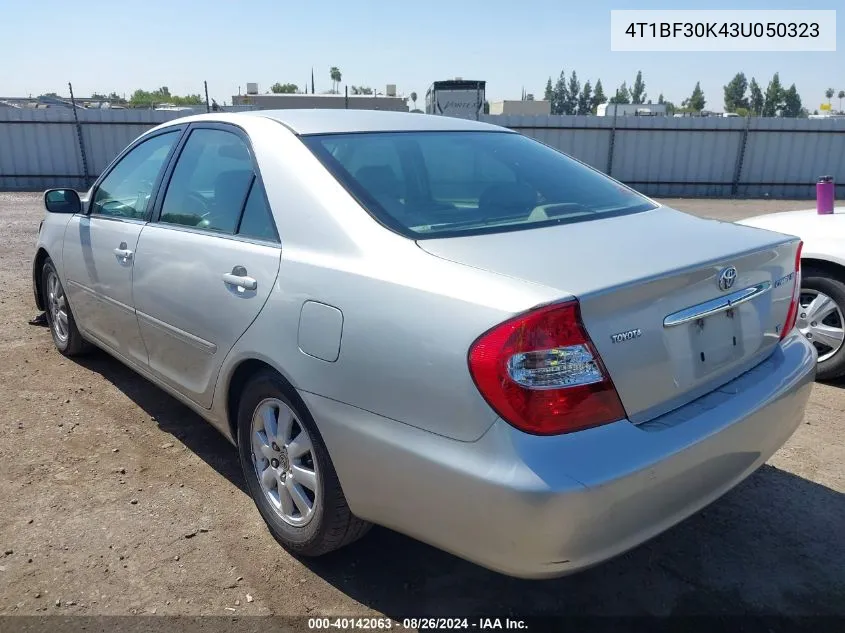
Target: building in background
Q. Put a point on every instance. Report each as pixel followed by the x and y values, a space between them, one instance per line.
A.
pixel 287 101
pixel 522 106
pixel 631 109
pixel 457 97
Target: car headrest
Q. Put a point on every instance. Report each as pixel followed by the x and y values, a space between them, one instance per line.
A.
pixel 379 180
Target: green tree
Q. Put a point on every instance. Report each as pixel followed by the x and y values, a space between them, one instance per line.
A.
pixel 735 93
pixel 549 95
pixel 638 94
pixel 791 102
pixel 756 100
pixel 622 94
pixel 585 99
pixel 414 99
pixel 696 101
pixel 774 97
pixel 336 76
pixel 598 97
pixel 561 95
pixel 841 96
pixel 573 90
pixel 278 88
pixel 829 94
pixel 660 99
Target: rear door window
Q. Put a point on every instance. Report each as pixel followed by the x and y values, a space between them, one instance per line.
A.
pixel 210 183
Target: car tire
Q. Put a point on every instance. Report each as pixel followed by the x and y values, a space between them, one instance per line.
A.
pixel 330 524
pixel 60 318
pixel 818 283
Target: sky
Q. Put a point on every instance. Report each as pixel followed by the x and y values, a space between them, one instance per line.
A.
pixel 104 46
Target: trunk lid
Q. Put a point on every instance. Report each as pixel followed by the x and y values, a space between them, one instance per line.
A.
pixel 650 295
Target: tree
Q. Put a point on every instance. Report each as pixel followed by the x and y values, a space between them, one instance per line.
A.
pixel 162 95
pixel 774 97
pixel 598 97
pixel 561 95
pixel 549 95
pixel 660 100
pixel 622 95
pixel 696 101
pixel 573 91
pixel 278 88
pixel 791 102
pixel 336 76
pixel 414 99
pixel 829 94
pixel 841 96
pixel 735 93
pixel 756 101
pixel 638 94
pixel 585 99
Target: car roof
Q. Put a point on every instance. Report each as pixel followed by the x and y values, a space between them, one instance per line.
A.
pixel 345 121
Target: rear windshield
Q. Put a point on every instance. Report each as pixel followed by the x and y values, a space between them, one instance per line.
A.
pixel 446 184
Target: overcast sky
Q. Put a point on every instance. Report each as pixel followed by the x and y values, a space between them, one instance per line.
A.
pixel 119 46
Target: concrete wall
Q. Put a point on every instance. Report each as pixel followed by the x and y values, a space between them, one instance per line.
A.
pixel 531 108
pixel 689 157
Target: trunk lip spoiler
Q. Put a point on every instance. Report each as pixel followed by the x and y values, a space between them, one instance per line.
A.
pixel 717 305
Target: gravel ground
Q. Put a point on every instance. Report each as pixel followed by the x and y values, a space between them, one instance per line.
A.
pixel 118 500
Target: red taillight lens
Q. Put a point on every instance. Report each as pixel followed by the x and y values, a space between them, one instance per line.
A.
pixel 792 313
pixel 541 373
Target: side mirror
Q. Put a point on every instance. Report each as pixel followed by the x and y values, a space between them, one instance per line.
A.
pixel 62 201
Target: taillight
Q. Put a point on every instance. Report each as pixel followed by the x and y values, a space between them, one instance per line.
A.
pixel 792 313
pixel 541 373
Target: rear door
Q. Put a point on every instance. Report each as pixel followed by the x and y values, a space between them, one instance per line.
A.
pixel 99 248
pixel 206 263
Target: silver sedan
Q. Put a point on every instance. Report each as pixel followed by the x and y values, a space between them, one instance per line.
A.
pixel 435 325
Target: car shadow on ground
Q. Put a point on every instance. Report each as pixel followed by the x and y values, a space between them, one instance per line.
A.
pixel 772 546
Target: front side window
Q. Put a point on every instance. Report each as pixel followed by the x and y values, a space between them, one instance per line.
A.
pixel 445 184
pixel 210 182
pixel 125 192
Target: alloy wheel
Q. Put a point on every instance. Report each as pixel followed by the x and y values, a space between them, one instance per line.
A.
pixel 57 305
pixel 284 462
pixel 821 321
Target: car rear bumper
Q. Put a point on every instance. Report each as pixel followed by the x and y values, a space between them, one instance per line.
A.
pixel 539 507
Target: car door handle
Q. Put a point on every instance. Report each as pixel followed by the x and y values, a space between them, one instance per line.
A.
pixel 240 281
pixel 122 251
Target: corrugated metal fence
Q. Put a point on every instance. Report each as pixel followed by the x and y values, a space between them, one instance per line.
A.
pixel 699 156
pixel 660 156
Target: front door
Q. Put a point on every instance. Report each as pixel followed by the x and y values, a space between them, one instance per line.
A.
pixel 99 248
pixel 205 267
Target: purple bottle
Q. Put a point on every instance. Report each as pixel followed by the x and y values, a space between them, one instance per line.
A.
pixel 824 195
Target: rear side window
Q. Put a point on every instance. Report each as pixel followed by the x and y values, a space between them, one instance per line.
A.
pixel 210 183
pixel 257 222
pixel 445 184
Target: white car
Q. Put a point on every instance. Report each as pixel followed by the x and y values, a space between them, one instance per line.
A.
pixel 822 280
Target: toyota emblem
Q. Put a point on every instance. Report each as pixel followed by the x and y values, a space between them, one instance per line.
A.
pixel 727 278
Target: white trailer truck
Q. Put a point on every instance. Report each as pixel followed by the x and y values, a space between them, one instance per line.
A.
pixel 458 98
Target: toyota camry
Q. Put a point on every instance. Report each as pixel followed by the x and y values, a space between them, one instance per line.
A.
pixel 436 325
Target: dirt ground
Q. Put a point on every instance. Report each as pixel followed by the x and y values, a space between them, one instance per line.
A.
pixel 118 500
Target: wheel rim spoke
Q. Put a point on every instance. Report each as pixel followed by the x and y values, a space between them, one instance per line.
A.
pixel 820 307
pixel 304 476
pixel 268 419
pixel 268 479
pixel 286 501
pixel 828 335
pixel 299 446
pixel 285 426
pixel 302 502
